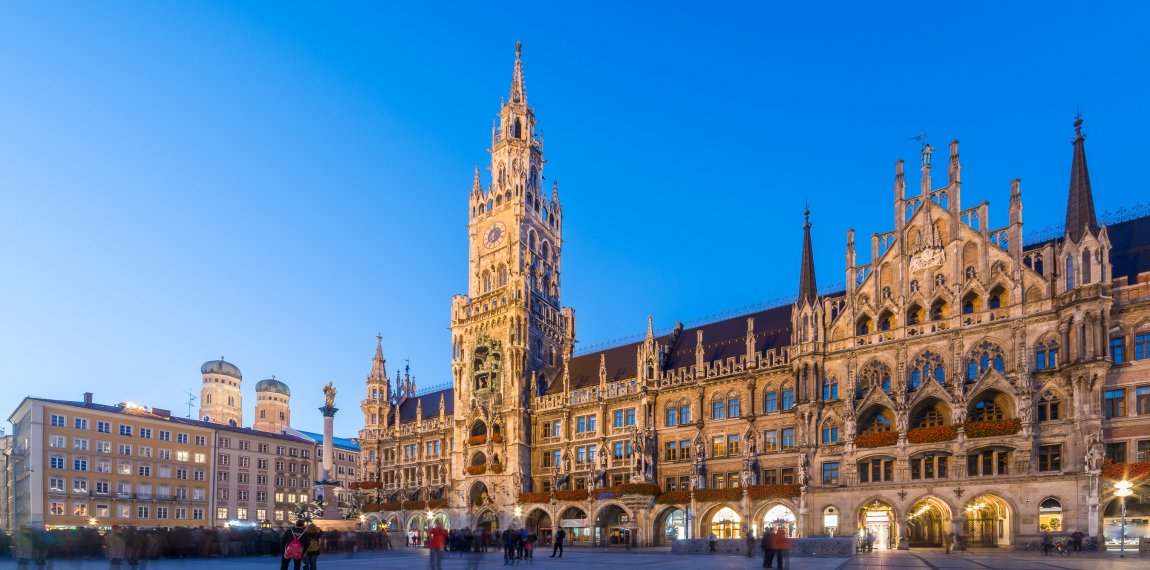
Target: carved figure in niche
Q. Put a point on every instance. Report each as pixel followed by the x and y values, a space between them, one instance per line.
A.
pixel 801 474
pixel 752 444
pixel 1095 453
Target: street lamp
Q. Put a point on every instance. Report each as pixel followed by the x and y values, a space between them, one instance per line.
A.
pixel 1123 490
pixel 92 521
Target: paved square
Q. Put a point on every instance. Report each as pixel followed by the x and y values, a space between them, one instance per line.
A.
pixel 581 558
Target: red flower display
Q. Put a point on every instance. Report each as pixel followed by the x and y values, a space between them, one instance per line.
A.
pixel 535 497
pixel 931 434
pixel 571 495
pixel 718 494
pixel 992 428
pixel 673 498
pixel 637 489
pixel 880 439
pixel 476 469
pixel 1127 471
pixel 766 492
pixel 392 506
pixel 477 439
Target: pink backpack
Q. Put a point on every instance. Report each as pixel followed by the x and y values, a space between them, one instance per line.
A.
pixel 294 550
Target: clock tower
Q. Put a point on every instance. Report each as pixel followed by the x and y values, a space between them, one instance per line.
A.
pixel 510 337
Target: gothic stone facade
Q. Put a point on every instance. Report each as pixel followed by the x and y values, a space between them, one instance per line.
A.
pixel 964 382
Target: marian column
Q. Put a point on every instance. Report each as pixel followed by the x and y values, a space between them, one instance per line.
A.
pixel 327 482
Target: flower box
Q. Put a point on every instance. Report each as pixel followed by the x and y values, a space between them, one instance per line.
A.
pixel 880 439
pixel 766 492
pixel 390 506
pixel 931 434
pixel 497 438
pixel 992 428
pixel 476 469
pixel 673 498
pixel 497 468
pixel 1127 471
pixel 718 494
pixel 477 439
pixel 637 489
pixel 535 497
pixel 571 495
pixel 437 503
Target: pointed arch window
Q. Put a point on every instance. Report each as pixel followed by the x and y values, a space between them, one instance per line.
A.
pixel 1070 272
pixel 830 387
pixel 1049 407
pixel 502 275
pixel 875 375
pixel 1046 354
pixel 928 366
pixel 1086 267
pixel 830 431
pixel 984 356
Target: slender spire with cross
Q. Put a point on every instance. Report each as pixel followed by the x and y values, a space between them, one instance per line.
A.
pixel 1080 216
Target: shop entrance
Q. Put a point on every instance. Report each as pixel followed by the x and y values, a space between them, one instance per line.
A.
pixel 612 527
pixel 877 526
pixel 987 521
pixel 727 524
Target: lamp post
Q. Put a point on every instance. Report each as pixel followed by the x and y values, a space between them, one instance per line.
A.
pixel 1123 490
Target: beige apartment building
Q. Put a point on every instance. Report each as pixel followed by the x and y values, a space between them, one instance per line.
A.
pixel 79 463
pixel 965 380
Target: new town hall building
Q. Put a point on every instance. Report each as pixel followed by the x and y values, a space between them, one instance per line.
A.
pixel 964 382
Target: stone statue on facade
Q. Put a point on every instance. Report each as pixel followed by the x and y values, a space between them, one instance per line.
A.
pixel 801 474
pixel 1094 454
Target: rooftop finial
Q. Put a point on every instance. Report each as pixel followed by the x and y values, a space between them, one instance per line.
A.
pixel 518 50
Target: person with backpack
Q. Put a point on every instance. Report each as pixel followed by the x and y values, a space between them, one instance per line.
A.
pixel 291 546
pixel 311 546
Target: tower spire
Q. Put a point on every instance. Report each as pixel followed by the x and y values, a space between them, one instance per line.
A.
pixel 518 90
pixel 1080 204
pixel 379 368
pixel 808 292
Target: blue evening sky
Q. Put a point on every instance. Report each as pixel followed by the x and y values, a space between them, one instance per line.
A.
pixel 277 182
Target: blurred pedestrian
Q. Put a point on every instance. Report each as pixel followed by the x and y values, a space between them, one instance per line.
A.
pixel 291 546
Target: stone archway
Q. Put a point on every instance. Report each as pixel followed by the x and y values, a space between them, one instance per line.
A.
pixel 487 520
pixel 928 522
pixel 670 525
pixel 779 516
pixel 574 520
pixel 539 522
pixel 878 524
pixel 613 526
pixel 478 495
pixel 988 521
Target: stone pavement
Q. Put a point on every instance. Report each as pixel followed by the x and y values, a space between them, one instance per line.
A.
pixel 660 559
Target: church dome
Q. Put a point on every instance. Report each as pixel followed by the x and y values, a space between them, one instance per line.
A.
pixel 273 385
pixel 221 367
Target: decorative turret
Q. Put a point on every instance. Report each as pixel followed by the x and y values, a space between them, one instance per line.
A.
pixel 377 404
pixel 808 291
pixel 220 398
pixel 518 89
pixel 1080 217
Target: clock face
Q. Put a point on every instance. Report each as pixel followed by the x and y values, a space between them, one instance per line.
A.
pixel 494 235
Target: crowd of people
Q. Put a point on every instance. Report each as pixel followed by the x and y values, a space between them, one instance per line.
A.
pixel 129 545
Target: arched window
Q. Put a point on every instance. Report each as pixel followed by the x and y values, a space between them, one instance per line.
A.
pixel 1070 272
pixel 982 357
pixel 880 422
pixel 545 252
pixel 928 366
pixel 997 298
pixel 787 396
pixel 486 281
pixel 1086 267
pixel 939 310
pixel 830 387
pixel 1049 407
pixel 231 401
pixel 1046 353
pixel 1050 515
pixel 531 240
pixel 830 431
pixel 734 410
pixel 263 414
pixel 930 417
pixel 718 408
pixel 885 321
pixel 208 398
pixel 864 326
pixel 971 303
pixel 875 375
pixel 914 315
pixel 502 275
pixel 488 205
pixel 770 401
pixel 282 416
pixel 988 408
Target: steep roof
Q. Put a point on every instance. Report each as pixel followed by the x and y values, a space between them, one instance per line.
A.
pixel 430 401
pixel 1129 247
pixel 721 340
pixel 340 442
pixel 1080 202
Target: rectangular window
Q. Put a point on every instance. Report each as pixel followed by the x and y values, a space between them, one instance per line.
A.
pixel 56 462
pixel 788 399
pixel 104 427
pixel 1143 450
pixel 788 438
pixel 831 473
pixel 1114 403
pixel 630 416
pixel 80 464
pixel 788 475
pixel 146 433
pixel 1116 452
pixel 718 409
pixel 57 420
pixel 684 415
pixel 733 444
pixel 771 403
pixel 181 438
pixel 165 435
pixel 1118 349
pixel 201 440
pixel 581 455
pixel 56 484
pixel 1049 458
pixel 222 513
pixel 770 476
pixel 684 450
pixel 719 481
pixel 57 441
pixel 143 512
pixel 671 451
pixel 1141 346
pixel 125 430
pixel 771 440
pixel 733 408
pixel 580 424
pixel 672 417
pixel 1142 399
pixel 80 423
pixel 618 418
pixel 56 508
pixel 80 444
pixel 718 446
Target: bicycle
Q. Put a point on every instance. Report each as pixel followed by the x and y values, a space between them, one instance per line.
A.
pixel 1031 546
pixel 1090 545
